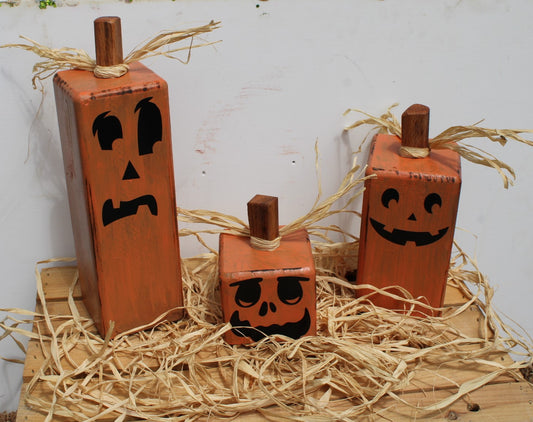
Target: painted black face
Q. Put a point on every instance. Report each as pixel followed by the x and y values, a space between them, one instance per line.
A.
pixel 248 294
pixel 401 237
pixel 149 131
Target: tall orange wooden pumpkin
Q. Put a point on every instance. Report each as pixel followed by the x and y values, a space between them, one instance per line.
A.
pixel 267 292
pixel 116 142
pixel 409 213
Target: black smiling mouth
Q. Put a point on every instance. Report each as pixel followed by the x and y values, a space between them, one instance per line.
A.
pixel 127 208
pixel 290 329
pixel 401 237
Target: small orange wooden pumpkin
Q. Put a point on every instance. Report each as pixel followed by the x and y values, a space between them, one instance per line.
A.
pixel 266 292
pixel 115 136
pixel 409 213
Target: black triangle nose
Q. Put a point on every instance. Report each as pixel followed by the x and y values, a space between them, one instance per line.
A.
pixel 264 308
pixel 412 217
pixel 130 172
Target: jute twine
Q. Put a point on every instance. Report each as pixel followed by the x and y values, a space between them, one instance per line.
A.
pixel 73 58
pixel 265 244
pixel 362 358
pixel 451 139
pixel 413 152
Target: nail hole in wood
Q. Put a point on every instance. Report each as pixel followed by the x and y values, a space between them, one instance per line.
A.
pixel 473 407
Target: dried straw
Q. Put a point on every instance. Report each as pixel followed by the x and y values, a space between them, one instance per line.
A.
pixel 360 360
pixel 452 139
pixel 73 58
pixel 361 356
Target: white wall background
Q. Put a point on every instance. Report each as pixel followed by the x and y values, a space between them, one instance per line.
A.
pixel 246 113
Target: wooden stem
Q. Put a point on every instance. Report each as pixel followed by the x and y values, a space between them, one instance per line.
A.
pixel 415 126
pixel 108 41
pixel 263 217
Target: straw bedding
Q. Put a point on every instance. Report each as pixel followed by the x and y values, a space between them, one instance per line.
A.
pixel 360 359
pixel 184 370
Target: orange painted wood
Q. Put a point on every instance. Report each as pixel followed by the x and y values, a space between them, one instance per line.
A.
pixel 108 40
pixel 408 222
pixel 116 142
pixel 267 292
pixel 263 217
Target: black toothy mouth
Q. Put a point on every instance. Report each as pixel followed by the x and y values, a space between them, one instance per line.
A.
pixel 127 208
pixel 290 329
pixel 401 237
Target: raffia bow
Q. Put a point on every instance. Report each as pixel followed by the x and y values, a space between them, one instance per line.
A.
pixel 452 139
pixel 71 58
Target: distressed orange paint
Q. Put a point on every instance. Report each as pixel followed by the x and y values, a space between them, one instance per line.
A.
pixel 408 222
pixel 116 142
pixel 267 292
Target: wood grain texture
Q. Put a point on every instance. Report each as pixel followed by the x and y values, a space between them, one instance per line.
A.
pixel 252 285
pixel 117 153
pixel 408 222
pixel 415 126
pixel 263 217
pixel 108 41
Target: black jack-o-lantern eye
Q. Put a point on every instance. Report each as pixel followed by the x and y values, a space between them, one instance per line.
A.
pixel 290 290
pixel 149 126
pixel 108 128
pixel 431 200
pixel 248 293
pixel 389 195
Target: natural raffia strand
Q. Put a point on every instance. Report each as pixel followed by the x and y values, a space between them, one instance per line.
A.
pixel 413 152
pixel 452 139
pixel 264 244
pixel 71 58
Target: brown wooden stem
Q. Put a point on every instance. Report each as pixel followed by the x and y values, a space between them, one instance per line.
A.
pixel 108 41
pixel 415 126
pixel 263 217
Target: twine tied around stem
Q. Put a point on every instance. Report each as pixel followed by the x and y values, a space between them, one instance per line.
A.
pixel 413 152
pixel 451 139
pixel 71 58
pixel 264 244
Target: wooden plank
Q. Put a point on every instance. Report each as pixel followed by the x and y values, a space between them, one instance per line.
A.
pixel 454 296
pixel 27 414
pixel 493 402
pixel 59 313
pixel 57 281
pixel 35 357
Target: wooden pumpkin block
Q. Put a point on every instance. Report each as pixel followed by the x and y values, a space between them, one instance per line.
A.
pixel 265 293
pixel 116 142
pixel 408 218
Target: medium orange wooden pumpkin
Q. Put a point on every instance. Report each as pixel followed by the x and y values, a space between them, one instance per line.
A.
pixel 115 136
pixel 409 213
pixel 266 293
